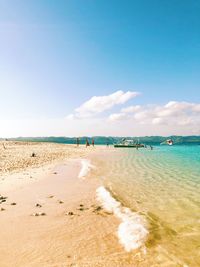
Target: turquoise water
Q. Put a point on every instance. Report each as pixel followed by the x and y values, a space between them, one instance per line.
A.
pixel 163 185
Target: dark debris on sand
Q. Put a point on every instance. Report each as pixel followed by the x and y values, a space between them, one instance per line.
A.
pixel 38 214
pixel 97 208
pixel 2 199
pixel 70 213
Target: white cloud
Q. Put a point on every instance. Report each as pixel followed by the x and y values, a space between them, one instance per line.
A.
pixel 98 104
pixel 179 113
pixel 157 121
pixel 131 109
pixel 196 108
pixel 174 108
pixel 142 115
pixel 125 113
pixel 173 114
pixel 148 120
pixel 117 116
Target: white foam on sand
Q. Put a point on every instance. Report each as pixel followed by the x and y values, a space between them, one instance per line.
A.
pixel 86 166
pixel 132 233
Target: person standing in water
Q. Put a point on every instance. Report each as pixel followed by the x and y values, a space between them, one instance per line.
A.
pixel 77 142
pixel 87 143
pixel 93 142
pixel 107 143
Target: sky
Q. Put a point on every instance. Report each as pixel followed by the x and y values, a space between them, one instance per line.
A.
pixel 98 67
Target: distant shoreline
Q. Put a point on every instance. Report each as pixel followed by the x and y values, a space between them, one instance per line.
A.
pixel 103 140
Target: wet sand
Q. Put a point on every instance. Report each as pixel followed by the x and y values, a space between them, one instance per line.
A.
pixel 52 218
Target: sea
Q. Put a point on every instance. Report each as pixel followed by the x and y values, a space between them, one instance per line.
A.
pixel 156 196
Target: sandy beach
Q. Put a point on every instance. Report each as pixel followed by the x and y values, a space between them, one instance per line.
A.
pixel 17 156
pixel 49 213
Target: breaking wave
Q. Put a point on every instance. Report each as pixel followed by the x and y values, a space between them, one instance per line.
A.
pixel 86 166
pixel 132 232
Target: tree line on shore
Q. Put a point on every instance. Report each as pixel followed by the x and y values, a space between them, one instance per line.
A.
pixel 102 140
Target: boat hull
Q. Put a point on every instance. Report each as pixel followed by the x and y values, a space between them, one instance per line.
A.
pixel 129 146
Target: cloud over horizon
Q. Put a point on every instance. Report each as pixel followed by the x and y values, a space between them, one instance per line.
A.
pixel 99 104
pixel 103 115
pixel 174 117
pixel 174 113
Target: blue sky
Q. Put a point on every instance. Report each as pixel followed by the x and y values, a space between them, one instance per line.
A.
pixel 57 55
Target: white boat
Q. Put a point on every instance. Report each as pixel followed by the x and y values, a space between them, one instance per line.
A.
pixel 128 143
pixel 168 142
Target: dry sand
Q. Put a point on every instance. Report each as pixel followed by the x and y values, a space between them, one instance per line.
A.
pixel 74 230
pixel 16 156
pixel 17 166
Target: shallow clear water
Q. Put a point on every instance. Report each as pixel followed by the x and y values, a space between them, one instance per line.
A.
pixel 162 184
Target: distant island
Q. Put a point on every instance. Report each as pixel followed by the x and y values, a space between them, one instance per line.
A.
pixel 102 140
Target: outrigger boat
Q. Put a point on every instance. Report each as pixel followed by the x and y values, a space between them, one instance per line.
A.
pixel 128 143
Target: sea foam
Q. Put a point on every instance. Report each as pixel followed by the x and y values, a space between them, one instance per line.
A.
pixel 86 166
pixel 132 233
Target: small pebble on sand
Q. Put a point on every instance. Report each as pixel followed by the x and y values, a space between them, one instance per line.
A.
pixel 70 213
pixel 42 214
pixel 35 214
pixel 13 203
pixel 81 209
